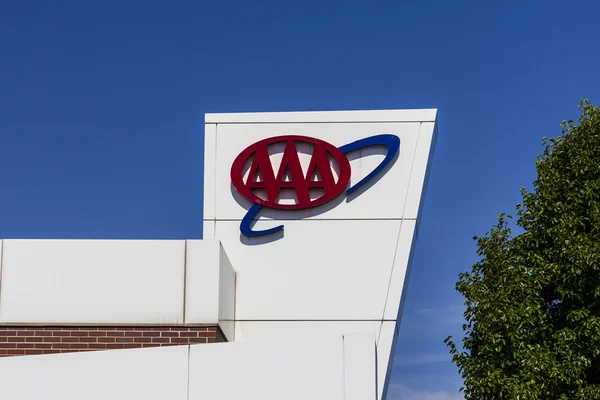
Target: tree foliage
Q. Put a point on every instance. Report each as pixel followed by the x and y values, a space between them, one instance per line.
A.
pixel 533 300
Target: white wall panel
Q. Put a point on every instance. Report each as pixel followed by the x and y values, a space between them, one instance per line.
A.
pixel 150 374
pixel 208 229
pixel 383 200
pixel 269 371
pixel 332 270
pixel 271 331
pixel 92 281
pixel 386 348
pixel 268 331
pixel 360 367
pixel 399 278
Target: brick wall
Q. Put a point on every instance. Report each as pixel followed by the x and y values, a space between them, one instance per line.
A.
pixel 29 340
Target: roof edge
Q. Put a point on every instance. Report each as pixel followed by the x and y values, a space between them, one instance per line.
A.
pixel 406 115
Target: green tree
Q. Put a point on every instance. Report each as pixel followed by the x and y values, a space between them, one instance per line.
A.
pixel 532 314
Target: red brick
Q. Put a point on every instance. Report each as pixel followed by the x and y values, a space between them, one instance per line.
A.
pixel 132 345
pixel 88 339
pixel 62 345
pixel 64 339
pixel 31 352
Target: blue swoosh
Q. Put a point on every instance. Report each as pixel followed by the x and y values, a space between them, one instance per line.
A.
pixel 392 143
pixel 247 221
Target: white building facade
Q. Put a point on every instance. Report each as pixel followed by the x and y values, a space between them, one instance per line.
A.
pixel 295 291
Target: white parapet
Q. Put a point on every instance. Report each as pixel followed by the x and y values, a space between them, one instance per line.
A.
pixel 84 282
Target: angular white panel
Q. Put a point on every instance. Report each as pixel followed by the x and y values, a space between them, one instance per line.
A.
pixel 202 281
pixel 210 148
pixel 291 370
pixel 269 331
pixel 150 374
pixel 400 273
pixel 417 115
pixel 338 267
pixel 226 295
pixel 420 169
pixel 319 270
pixel 209 286
pixel 385 199
pixel 92 281
pixel 360 367
pixel 386 347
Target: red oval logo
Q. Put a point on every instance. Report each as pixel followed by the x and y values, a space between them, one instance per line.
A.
pixel 264 186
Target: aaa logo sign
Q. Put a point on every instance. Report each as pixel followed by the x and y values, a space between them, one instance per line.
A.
pixel 326 177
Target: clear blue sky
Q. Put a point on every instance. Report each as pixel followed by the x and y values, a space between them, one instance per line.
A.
pixel 102 105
